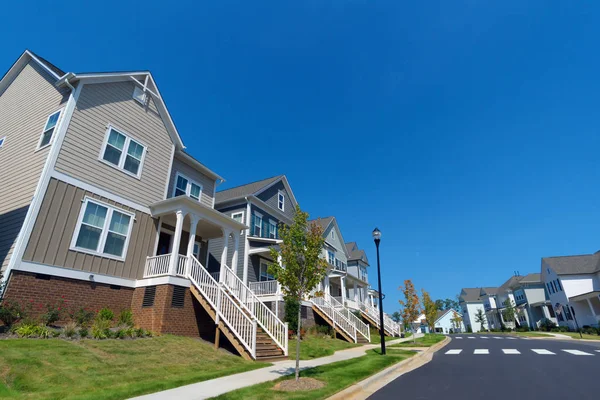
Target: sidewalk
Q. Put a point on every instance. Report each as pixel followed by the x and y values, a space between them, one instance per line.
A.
pixel 219 386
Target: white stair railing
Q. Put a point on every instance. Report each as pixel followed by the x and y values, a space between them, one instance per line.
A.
pixel 360 326
pixel 157 265
pixel 336 317
pixel 389 325
pixel 225 307
pixel 273 326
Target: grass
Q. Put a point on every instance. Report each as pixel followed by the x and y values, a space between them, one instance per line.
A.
pixel 376 338
pixel 427 340
pixel 109 369
pixel 337 377
pixel 575 335
pixel 317 346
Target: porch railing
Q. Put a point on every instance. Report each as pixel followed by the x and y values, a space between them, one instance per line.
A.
pixel 338 319
pixel 157 265
pixel 360 326
pixel 388 323
pixel 265 288
pixel 182 264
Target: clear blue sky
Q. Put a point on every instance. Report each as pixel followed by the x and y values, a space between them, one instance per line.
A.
pixel 467 132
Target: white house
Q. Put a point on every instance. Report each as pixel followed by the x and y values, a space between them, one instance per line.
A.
pixel 470 302
pixel 444 322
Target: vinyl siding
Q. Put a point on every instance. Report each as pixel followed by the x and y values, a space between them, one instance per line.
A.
pixel 55 226
pixel 269 196
pixel 336 243
pixel 24 108
pixel 215 246
pixel 111 103
pixel 208 184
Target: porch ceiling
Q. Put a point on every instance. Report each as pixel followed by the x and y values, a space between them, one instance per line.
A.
pixel 586 296
pixel 205 229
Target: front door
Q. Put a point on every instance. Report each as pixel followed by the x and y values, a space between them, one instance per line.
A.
pixel 164 243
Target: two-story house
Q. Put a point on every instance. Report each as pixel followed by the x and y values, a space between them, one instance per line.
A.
pixel 573 286
pixel 470 302
pixel 532 302
pixel 103 205
pixel 491 305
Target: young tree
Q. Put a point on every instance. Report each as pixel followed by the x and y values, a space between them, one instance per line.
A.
pixel 302 267
pixel 456 320
pixel 411 308
pixel 396 317
pixel 509 312
pixel 430 310
pixel 480 318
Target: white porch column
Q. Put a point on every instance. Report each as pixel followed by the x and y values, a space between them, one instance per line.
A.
pixel 355 292
pixel 327 284
pixel 224 254
pixel 591 307
pixel 194 219
pixel 234 259
pixel 371 298
pixel 176 242
pixel 343 285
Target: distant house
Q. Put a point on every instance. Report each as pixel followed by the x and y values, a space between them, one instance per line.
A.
pixel 444 322
pixel 470 301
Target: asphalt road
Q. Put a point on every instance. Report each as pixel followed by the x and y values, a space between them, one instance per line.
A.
pixel 500 367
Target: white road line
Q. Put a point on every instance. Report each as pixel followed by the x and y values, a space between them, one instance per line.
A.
pixel 498 337
pixel 543 351
pixel 459 337
pixel 510 337
pixel 598 351
pixel 510 351
pixel 454 351
pixel 481 351
pixel 485 337
pixel 471 337
pixel 577 352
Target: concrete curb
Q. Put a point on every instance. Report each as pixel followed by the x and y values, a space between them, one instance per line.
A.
pixel 366 387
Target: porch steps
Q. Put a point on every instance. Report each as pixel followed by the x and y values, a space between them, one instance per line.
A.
pixel 371 321
pixel 337 329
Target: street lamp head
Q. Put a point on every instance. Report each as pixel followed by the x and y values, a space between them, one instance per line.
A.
pixel 377 234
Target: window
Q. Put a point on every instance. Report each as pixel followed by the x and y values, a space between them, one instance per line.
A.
pixel 332 234
pixel 558 284
pixel 272 229
pixel 257 224
pixel 178 299
pixel 331 257
pixel 555 289
pixel 281 201
pixel 238 216
pixel 149 295
pixel 102 229
pixel 264 272
pixel 186 187
pixel 139 95
pixel 122 152
pixel 2 141
pixel 49 129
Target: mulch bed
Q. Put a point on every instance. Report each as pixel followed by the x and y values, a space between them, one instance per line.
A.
pixel 303 384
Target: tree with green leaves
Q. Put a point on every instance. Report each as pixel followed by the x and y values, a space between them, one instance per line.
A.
pixel 411 307
pixel 480 318
pixel 396 317
pixel 302 267
pixel 509 313
pixel 430 310
pixel 456 320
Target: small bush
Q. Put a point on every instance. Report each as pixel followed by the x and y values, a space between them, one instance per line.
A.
pixel 101 329
pixel 55 333
pixel 53 312
pixel 105 315
pixel 83 333
pixel 34 330
pixel 546 325
pixel 82 316
pixel 11 312
pixel 70 329
pixel 139 332
pixel 126 318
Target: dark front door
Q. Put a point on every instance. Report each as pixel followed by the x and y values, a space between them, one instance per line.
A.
pixel 164 243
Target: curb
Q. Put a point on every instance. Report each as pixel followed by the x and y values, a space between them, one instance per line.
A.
pixel 368 386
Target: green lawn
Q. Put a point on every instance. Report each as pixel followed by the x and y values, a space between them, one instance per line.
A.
pixel 337 376
pixel 427 340
pixel 575 335
pixel 317 346
pixel 376 338
pixel 109 369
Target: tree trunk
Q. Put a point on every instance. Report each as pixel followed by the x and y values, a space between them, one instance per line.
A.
pixel 414 335
pixel 298 341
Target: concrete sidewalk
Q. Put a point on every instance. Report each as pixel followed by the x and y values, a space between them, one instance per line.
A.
pixel 219 386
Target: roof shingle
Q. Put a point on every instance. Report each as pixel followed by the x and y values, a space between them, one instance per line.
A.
pixel 242 191
pixel 573 265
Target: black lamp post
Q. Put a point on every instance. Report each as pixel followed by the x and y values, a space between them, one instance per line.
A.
pixel 377 238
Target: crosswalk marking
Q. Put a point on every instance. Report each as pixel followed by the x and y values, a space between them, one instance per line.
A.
pixel 485 337
pixel 510 351
pixel 459 337
pixel 578 352
pixel 481 351
pixel 543 351
pixel 454 351
pixel 498 337
pixel 509 337
pixel 598 351
pixel 471 337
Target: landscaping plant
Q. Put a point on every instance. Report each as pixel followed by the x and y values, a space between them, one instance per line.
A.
pixel 126 318
pixel 480 318
pixel 430 310
pixel 11 312
pixel 411 307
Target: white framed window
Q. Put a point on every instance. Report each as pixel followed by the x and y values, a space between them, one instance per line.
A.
pixel 331 257
pixel 102 230
pixel 120 151
pixel 238 216
pixel 281 201
pixel 139 95
pixel 257 225
pixel 264 272
pixel 2 140
pixel 272 229
pixel 332 234
pixel 49 128
pixel 186 187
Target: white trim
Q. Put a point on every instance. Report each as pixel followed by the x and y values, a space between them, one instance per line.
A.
pixel 43 65
pixel 105 230
pixel 274 211
pixel 2 141
pixel 44 130
pixel 246 244
pixel 280 193
pixel 188 187
pixel 163 280
pixel 101 192
pixel 124 151
pixel 42 185
pixel 236 213
pixel 170 171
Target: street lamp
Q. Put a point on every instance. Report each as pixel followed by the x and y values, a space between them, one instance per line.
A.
pixel 377 238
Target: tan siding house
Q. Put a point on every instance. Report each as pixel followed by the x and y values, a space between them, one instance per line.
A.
pixel 208 184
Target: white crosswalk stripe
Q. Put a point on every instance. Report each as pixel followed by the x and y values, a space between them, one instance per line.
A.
pixel 454 351
pixel 598 351
pixel 485 337
pixel 481 351
pixel 543 352
pixel 498 337
pixel 511 351
pixel 578 352
pixel 471 337
pixel 510 337
pixel 459 337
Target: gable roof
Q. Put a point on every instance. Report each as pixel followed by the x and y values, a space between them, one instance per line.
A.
pixel 442 313
pixel 356 253
pixel 574 265
pixel 469 295
pixel 511 283
pixel 324 223
pixel 534 277
pixel 249 189
pixel 490 291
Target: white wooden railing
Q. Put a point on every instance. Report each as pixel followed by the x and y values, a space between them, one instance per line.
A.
pixel 225 307
pixel 182 263
pixel 353 304
pixel 360 326
pixel 157 265
pixel 273 326
pixel 389 324
pixel 336 317
pixel 215 275
pixel 264 288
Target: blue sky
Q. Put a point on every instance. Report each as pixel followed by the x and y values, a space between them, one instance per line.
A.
pixel 467 132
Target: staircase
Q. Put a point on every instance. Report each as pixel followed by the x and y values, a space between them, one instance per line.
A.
pixel 333 317
pixel 362 329
pixel 371 314
pixel 254 333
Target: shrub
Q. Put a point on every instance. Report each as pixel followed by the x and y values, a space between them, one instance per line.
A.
pixel 105 314
pixel 291 313
pixel 11 312
pixel 523 329
pixel 83 333
pixel 70 329
pixel 82 316
pixel 139 332
pixel 53 312
pixel 101 329
pixel 469 329
pixel 30 330
pixel 126 318
pixel 546 325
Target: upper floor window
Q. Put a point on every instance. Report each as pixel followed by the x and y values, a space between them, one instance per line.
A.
pixel 281 201
pixel 139 95
pixel 272 229
pixel 264 272
pixel 257 226
pixel 49 129
pixel 333 234
pixel 238 216
pixel 331 257
pixel 558 285
pixel 186 187
pixel 2 141
pixel 102 230
pixel 122 152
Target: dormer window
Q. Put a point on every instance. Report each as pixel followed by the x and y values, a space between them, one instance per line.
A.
pixel 281 201
pixel 139 95
pixel 123 152
pixel 49 129
pixel 187 187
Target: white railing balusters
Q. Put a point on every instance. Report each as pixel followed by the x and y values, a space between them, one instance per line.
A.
pixel 389 324
pixel 338 319
pixel 264 288
pixel 360 326
pixel 157 265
